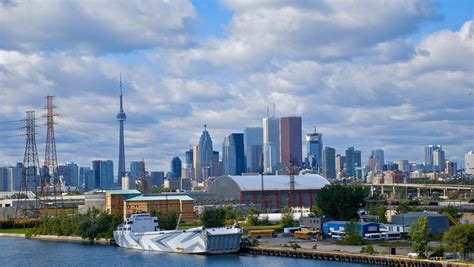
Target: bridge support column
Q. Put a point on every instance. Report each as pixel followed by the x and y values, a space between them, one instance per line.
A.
pixel 381 190
pixel 393 191
pixel 372 190
pixel 445 191
pixel 418 192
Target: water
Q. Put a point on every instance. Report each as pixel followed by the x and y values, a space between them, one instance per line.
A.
pixel 24 252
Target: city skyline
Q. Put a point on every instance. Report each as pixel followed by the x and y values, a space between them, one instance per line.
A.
pixel 386 91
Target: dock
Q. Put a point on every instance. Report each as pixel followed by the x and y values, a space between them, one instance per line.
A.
pixel 386 260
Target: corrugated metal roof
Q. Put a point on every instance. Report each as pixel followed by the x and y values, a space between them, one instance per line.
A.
pixel 123 192
pixel 279 182
pixel 154 198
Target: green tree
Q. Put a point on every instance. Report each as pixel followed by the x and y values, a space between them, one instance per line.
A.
pixel 231 213
pixel 213 217
pixel 89 229
pixel 168 220
pixel 317 211
pixel 287 218
pixel 419 236
pixel 252 216
pixel 453 211
pixel 341 201
pixel 407 206
pixel 460 238
pixel 352 234
pixel 380 211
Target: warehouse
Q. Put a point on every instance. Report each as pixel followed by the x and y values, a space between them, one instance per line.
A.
pixel 339 226
pixel 437 223
pixel 270 191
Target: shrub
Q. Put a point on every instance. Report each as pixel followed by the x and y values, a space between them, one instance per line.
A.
pixel 368 250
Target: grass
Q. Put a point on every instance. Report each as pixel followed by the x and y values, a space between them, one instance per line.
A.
pixel 276 228
pixel 15 230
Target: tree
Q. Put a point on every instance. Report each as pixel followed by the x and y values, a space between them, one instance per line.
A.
pixel 407 206
pixel 213 217
pixel 317 211
pixel 341 201
pixel 352 232
pixel 252 216
pixel 380 211
pixel 89 229
pixel 168 220
pixel 287 218
pixel 452 211
pixel 419 235
pixel 460 238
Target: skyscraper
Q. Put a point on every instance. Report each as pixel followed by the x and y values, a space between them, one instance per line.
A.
pixel 290 141
pixel 469 163
pixel 157 179
pixel 196 162
pixel 429 161
pixel 350 161
pixel 378 155
pixel 340 163
pixel 188 165
pixel 216 170
pixel 121 117
pixel 314 150
pixel 253 142
pixel 329 163
pixel 271 143
pixel 439 160
pixel 103 174
pixel 135 171
pixel 205 156
pixel 233 157
pixel 176 168
pixel 358 164
pixel 70 173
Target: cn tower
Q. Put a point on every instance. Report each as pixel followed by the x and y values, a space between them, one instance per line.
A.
pixel 121 117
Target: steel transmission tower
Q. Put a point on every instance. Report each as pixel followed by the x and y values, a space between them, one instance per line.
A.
pixel 30 179
pixel 51 173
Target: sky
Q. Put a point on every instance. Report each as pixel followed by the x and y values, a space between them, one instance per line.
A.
pixel 396 75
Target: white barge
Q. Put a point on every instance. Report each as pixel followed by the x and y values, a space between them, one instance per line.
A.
pixel 141 231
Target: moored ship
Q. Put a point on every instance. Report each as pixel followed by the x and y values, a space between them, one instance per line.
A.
pixel 141 231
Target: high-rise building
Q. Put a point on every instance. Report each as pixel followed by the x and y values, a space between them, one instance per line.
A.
pixel 469 163
pixel 340 163
pixel 378 154
pixel 314 150
pixel 328 162
pixel 439 161
pixel 3 179
pixel 358 163
pixel 403 166
pixel 451 168
pixel 70 173
pixel 188 165
pixel 233 158
pixel 350 161
pixel 103 174
pixel 216 169
pixel 121 117
pixel 290 141
pixel 253 145
pixel 157 179
pixel 176 168
pixel 205 156
pixel 135 171
pixel 429 160
pixel 14 177
pixel 271 144
pixel 195 162
pixel 88 176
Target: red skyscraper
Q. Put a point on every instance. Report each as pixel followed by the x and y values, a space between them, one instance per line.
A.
pixel 290 141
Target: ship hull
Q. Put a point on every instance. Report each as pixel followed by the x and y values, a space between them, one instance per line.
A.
pixel 197 241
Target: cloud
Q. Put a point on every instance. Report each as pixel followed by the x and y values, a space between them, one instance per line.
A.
pixel 94 26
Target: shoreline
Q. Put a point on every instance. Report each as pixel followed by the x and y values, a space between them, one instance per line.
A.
pixel 54 238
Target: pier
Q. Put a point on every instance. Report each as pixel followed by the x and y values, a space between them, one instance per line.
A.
pixel 385 260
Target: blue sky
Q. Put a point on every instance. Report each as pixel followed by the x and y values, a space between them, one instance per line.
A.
pixel 369 74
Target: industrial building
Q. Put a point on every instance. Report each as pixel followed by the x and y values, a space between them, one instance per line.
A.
pixel 437 223
pixel 270 191
pixel 339 226
pixel 127 202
